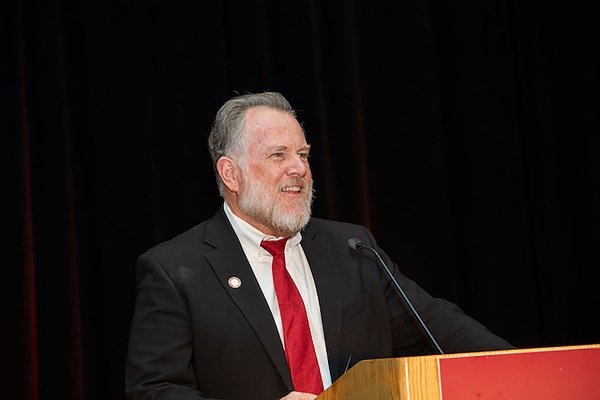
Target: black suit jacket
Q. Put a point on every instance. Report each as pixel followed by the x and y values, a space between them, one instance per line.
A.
pixel 194 336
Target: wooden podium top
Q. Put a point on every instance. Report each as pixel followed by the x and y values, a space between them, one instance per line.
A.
pixel 548 373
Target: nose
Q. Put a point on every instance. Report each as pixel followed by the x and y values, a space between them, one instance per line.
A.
pixel 298 165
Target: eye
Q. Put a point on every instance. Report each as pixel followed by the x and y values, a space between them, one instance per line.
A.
pixel 304 156
pixel 278 154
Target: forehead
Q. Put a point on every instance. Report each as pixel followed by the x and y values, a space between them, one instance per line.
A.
pixel 264 122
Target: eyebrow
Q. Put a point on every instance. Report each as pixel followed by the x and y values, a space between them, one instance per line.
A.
pixel 281 147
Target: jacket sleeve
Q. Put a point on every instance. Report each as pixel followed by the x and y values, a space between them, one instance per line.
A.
pixel 451 327
pixel 159 359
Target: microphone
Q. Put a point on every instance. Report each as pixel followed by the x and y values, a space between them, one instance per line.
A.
pixel 357 244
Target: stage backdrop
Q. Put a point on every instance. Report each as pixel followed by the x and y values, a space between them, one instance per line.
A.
pixel 465 134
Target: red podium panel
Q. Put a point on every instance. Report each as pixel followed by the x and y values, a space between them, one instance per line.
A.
pixel 548 375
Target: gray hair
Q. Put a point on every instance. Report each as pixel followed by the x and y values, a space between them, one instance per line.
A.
pixel 227 133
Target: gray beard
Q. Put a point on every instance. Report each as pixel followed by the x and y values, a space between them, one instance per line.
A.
pixel 257 203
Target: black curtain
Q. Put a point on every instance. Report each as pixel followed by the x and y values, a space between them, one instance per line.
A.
pixel 465 134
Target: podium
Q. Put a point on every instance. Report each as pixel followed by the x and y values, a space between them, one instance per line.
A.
pixel 546 373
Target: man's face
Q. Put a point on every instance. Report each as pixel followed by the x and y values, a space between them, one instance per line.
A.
pixel 276 194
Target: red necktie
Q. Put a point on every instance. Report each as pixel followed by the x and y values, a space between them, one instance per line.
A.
pixel 299 349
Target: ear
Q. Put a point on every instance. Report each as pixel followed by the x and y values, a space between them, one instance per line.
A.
pixel 229 173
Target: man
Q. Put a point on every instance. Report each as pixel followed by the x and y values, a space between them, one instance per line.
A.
pixel 210 320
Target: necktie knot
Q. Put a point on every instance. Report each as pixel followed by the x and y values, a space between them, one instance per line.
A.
pixel 275 247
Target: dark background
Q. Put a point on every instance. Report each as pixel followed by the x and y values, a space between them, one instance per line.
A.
pixel 464 133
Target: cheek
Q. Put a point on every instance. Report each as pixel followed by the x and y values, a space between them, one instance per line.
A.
pixel 261 178
pixel 308 175
pixel 265 174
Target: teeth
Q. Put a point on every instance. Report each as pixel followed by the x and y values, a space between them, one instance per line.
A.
pixel 291 189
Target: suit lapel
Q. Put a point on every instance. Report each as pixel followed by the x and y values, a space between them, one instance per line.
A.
pixel 320 259
pixel 248 297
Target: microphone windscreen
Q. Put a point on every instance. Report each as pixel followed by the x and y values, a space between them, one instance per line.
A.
pixel 355 243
